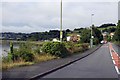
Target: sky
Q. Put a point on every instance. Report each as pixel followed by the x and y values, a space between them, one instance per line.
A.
pixel 119 10
pixel 27 17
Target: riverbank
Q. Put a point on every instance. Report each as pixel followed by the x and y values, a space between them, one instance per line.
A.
pixel 21 63
pixel 15 41
pixel 27 55
pixel 39 69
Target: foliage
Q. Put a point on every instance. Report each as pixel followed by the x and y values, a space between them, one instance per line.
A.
pixel 24 52
pixel 43 57
pixel 11 47
pixel 55 48
pixel 106 25
pixel 96 41
pixel 85 36
pixel 45 35
pixel 51 50
pixel 37 50
pixel 85 46
pixel 117 32
pixel 9 58
pixel 109 30
pixel 97 35
pixel 76 47
pixel 70 46
pixel 109 38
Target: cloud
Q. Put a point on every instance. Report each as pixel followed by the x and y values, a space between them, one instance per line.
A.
pixel 60 0
pixel 119 10
pixel 44 16
pixel 27 29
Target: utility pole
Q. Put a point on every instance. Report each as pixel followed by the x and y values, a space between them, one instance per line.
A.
pixel 91 40
pixel 61 33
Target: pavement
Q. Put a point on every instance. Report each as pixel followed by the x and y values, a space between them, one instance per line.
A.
pixel 39 69
pixel 97 66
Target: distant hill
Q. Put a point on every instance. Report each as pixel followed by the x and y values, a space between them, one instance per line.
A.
pixel 106 25
pixel 107 28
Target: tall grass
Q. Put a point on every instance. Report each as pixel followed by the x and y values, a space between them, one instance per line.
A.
pixel 27 55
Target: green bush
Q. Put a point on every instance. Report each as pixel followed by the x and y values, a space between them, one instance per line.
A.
pixel 27 56
pixel 55 48
pixel 70 46
pixel 76 47
pixel 37 50
pixel 85 46
pixel 24 52
pixel 95 41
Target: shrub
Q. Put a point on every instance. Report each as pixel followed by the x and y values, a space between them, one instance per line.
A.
pixel 95 41
pixel 70 46
pixel 37 50
pixel 27 56
pixel 85 46
pixel 55 48
pixel 24 52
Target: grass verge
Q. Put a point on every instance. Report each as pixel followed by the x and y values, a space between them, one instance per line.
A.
pixel 21 63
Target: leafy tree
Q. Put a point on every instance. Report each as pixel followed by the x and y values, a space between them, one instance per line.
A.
pixel 55 48
pixel 117 32
pixel 85 36
pixel 97 34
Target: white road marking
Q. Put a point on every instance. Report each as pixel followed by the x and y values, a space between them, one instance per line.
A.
pixel 116 68
pixel 114 62
pixel 112 58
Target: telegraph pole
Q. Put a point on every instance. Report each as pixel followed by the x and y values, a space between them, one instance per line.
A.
pixel 61 33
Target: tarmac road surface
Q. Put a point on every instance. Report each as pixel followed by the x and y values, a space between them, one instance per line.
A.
pixel 97 65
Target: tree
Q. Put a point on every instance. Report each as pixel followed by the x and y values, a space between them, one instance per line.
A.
pixel 97 35
pixel 117 32
pixel 85 36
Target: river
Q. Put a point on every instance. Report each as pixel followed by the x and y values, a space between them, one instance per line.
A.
pixel 5 48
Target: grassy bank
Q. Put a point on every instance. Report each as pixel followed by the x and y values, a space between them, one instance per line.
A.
pixel 30 53
pixel 19 63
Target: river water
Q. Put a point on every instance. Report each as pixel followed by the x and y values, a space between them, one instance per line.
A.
pixel 5 48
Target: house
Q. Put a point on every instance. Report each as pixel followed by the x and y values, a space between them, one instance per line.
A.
pixel 112 34
pixel 105 35
pixel 73 37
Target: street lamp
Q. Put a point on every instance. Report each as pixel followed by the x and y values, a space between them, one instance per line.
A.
pixel 61 33
pixel 91 40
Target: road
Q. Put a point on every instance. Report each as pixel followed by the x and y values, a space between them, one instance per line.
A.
pixel 97 65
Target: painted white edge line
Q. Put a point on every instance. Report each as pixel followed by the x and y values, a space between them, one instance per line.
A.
pixel 114 62
pixel 115 52
pixel 112 58
pixel 116 68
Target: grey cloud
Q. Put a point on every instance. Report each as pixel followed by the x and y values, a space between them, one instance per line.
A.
pixel 44 16
pixel 119 10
